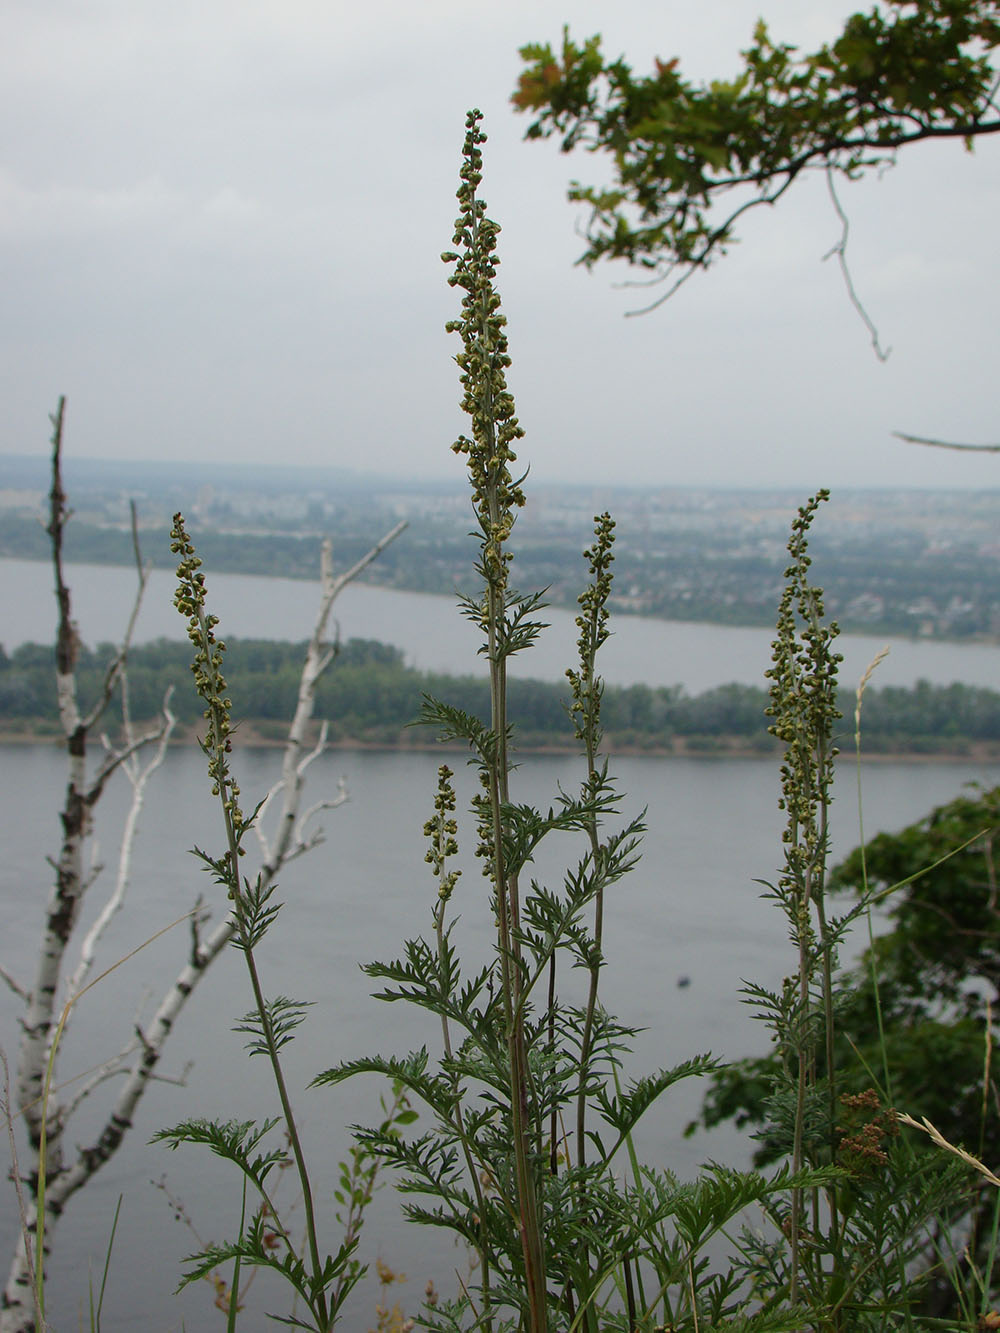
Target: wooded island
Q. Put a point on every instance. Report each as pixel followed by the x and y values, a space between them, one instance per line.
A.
pixel 372 697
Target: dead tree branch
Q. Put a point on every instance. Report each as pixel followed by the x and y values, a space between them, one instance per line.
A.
pixel 139 778
pixel 840 250
pixel 319 655
pixel 67 1174
pixel 14 985
pixel 72 878
pixel 948 444
pixel 22 1206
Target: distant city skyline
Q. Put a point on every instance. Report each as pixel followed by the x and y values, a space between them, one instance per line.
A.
pixel 220 230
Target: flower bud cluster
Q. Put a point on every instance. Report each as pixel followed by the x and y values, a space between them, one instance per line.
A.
pixel 210 683
pixel 804 702
pixel 482 363
pixel 441 829
pixel 592 622
pixel 482 808
pixel 863 1135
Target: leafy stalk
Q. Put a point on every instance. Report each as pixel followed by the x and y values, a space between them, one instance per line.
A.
pixel 496 497
pixel 562 1242
pixel 269 1022
pixel 803 705
pixel 441 829
pixel 585 710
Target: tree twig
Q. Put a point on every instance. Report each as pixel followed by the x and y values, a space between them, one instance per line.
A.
pixel 15 986
pixel 840 250
pixel 318 657
pixel 139 779
pixel 947 444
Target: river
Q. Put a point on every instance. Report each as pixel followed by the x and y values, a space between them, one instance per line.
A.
pixel 691 910
pixel 434 637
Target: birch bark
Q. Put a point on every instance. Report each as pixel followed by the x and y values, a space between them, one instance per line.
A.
pixel 45 1120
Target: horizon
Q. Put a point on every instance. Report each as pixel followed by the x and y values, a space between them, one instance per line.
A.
pixel 385 481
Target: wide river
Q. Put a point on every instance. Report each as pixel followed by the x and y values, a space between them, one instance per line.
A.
pixel 435 637
pixel 692 911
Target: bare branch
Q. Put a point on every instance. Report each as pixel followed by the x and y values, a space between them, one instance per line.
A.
pixel 947 444
pixel 324 732
pixel 340 799
pixel 37 1100
pixel 303 764
pixel 840 250
pixel 115 758
pixel 90 1159
pixel 301 843
pixel 96 864
pixel 116 666
pixel 15 986
pixel 70 879
pixel 139 779
pixel 178 1080
pixel 111 1068
pixel 141 570
pixel 351 574
pixel 59 515
pixel 198 916
pixel 318 658
pixel 703 258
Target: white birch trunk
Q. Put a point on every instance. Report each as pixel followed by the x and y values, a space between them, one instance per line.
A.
pixel 65 1178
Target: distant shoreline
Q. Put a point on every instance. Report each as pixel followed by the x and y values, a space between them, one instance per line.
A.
pixel 620 605
pixel 247 736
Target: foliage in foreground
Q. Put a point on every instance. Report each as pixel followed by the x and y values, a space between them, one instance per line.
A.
pixel 915 1015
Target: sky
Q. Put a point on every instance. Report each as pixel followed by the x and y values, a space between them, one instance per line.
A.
pixel 220 233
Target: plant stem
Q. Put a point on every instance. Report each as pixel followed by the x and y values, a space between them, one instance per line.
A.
pixel 228 797
pixel 470 1164
pixel 495 497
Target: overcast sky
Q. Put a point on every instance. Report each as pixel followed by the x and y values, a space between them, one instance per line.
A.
pixel 220 229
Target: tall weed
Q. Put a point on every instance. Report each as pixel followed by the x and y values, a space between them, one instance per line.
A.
pixel 529 1157
pixel 526 1152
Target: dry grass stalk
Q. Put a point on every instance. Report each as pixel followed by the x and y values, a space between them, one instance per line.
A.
pixel 938 1138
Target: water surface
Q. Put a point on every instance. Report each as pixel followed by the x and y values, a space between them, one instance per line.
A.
pixel 434 637
pixel 690 910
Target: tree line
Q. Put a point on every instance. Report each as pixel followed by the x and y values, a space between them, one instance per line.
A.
pixel 372 695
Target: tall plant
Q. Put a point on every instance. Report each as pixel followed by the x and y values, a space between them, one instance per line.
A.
pixel 804 707
pixel 530 1118
pixel 846 1239
pixel 320 1281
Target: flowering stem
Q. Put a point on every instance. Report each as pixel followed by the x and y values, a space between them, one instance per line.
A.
pixel 496 496
pixel 211 685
